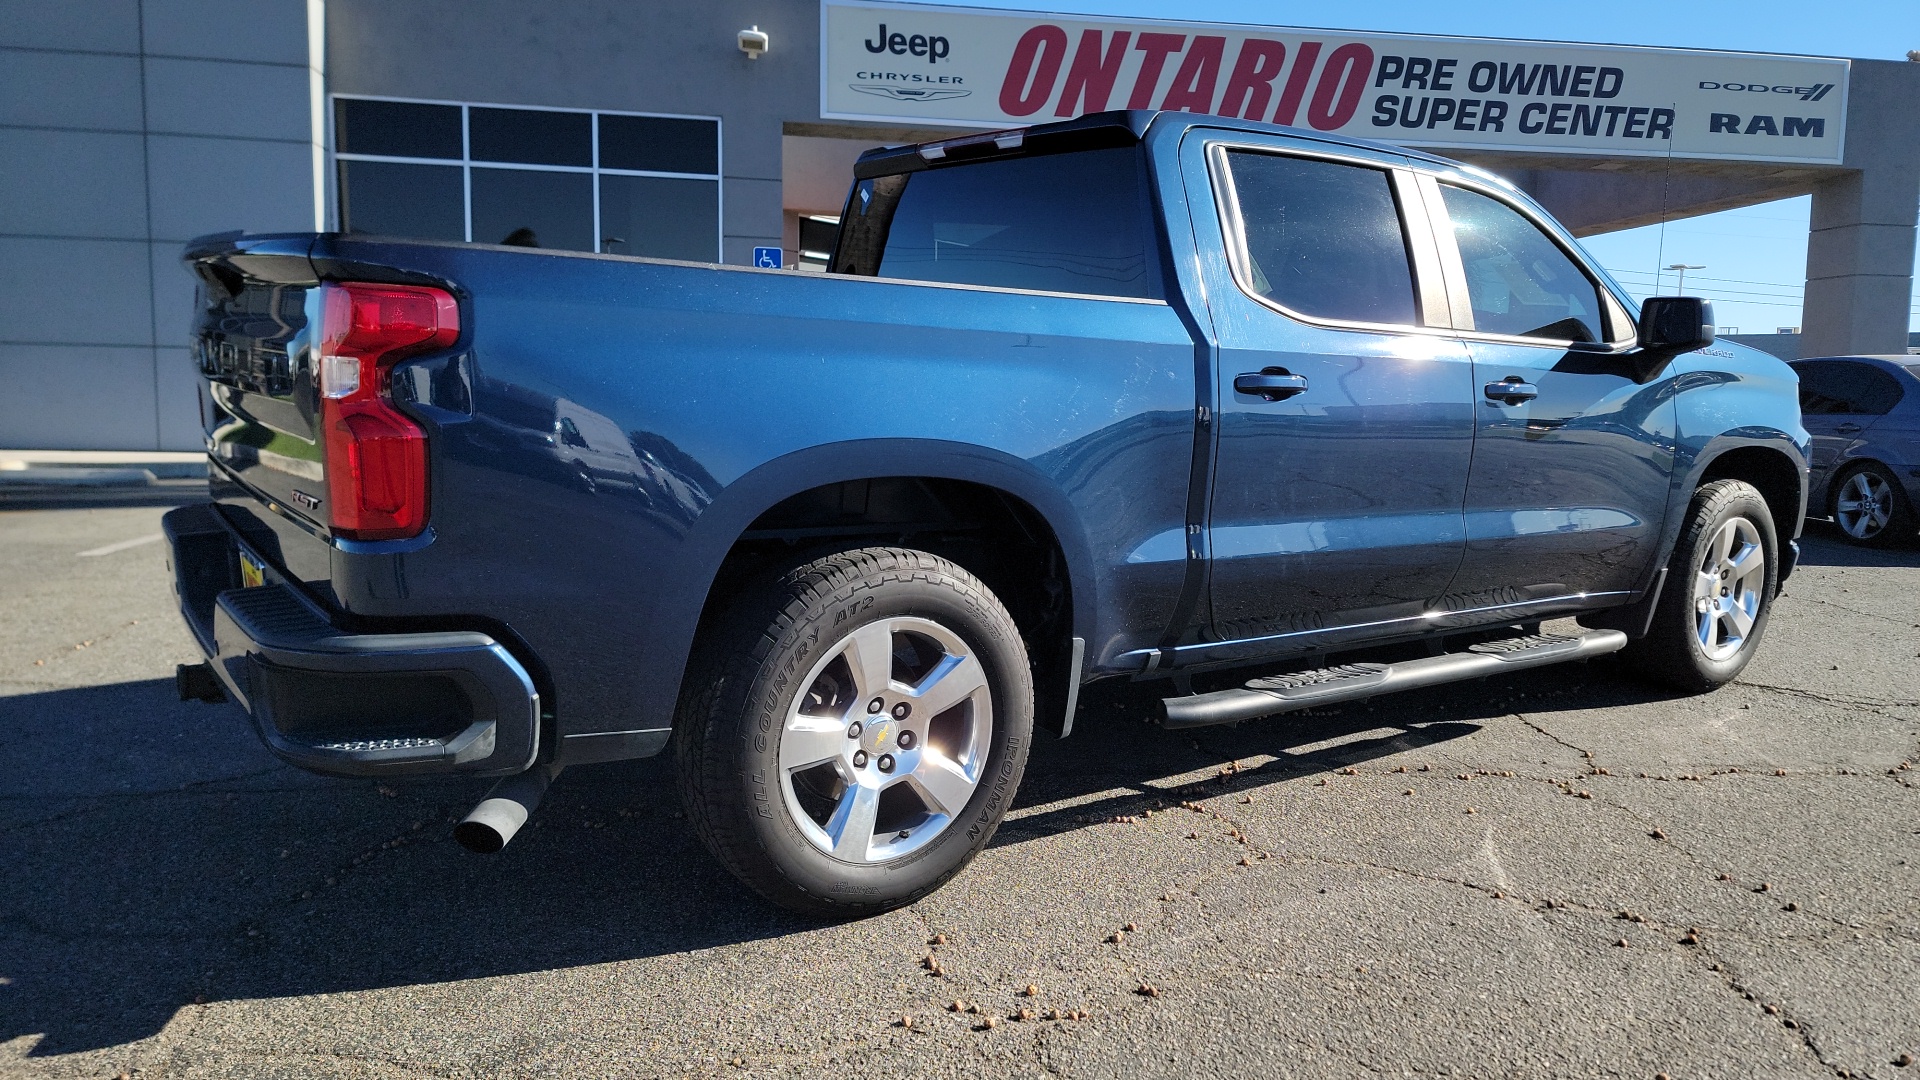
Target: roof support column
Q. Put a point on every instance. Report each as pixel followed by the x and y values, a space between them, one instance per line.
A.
pixel 1860 264
pixel 1860 244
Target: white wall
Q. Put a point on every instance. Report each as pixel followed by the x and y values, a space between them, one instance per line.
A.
pixel 126 128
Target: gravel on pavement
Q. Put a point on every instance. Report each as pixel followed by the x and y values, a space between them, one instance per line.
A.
pixel 1557 873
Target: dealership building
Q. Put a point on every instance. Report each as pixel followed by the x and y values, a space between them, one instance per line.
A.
pixel 725 131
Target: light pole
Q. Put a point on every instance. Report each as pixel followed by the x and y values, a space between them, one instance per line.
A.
pixel 1681 289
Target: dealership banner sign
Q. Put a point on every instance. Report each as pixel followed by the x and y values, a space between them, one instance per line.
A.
pixel 976 67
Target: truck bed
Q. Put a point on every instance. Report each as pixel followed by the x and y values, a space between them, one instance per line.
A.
pixel 605 426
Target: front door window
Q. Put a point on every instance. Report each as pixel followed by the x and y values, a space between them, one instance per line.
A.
pixel 1520 282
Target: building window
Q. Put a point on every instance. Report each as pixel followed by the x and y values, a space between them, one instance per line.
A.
pixel 620 183
pixel 817 234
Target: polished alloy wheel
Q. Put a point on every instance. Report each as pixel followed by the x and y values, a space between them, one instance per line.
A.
pixel 887 740
pixel 1727 588
pixel 1864 505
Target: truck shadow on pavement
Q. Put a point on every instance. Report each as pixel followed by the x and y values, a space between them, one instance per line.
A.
pixel 1132 765
pixel 158 857
pixel 1822 545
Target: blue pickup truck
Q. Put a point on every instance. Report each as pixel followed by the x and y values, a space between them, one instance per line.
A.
pixel 1276 418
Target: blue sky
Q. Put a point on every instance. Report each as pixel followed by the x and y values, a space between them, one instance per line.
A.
pixel 1755 258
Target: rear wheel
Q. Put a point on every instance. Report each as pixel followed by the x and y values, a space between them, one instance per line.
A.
pixel 1870 508
pixel 859 732
pixel 1718 594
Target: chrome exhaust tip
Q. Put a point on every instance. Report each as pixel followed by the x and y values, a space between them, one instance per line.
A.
pixel 500 815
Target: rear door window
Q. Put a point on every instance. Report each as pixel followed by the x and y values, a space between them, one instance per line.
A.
pixel 1074 223
pixel 1520 282
pixel 1323 239
pixel 1821 392
pixel 1834 387
pixel 1879 391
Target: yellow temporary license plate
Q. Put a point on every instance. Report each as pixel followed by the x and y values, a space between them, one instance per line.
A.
pixel 253 572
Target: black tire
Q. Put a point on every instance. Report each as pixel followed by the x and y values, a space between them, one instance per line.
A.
pixel 734 711
pixel 1900 527
pixel 1673 651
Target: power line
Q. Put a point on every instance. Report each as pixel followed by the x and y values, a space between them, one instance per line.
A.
pixel 1790 291
pixel 1748 292
pixel 1706 277
pixel 1787 295
pixel 1741 296
pixel 1736 281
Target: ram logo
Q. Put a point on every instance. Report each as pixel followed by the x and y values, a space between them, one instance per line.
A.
pixel 1806 127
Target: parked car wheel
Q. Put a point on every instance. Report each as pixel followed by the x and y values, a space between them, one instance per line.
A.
pixel 1870 508
pixel 858 730
pixel 1720 586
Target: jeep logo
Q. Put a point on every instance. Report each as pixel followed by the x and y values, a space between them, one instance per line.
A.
pixel 933 48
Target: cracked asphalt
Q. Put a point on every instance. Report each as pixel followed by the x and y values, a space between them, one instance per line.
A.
pixel 1559 873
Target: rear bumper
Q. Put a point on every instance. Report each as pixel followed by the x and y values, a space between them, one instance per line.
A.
pixel 341 703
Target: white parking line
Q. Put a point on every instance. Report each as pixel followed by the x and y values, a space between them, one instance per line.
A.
pixel 121 546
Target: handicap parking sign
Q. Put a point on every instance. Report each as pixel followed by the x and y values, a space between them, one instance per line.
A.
pixel 767 257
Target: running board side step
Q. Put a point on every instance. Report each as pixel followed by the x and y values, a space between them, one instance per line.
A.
pixel 1352 682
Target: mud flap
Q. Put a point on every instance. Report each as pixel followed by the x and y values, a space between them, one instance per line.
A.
pixel 1056 688
pixel 1633 619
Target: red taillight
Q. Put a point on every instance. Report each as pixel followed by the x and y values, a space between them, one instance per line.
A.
pixel 376 454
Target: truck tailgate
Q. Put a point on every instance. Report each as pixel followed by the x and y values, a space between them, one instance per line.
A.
pixel 260 408
pixel 251 345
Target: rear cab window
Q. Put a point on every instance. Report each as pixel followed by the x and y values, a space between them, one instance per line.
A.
pixel 1077 222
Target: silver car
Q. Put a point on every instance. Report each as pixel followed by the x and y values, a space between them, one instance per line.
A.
pixel 1864 415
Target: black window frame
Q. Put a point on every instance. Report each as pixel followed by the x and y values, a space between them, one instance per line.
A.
pixel 466 163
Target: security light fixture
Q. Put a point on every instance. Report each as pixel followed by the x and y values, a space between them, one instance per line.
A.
pixel 1681 289
pixel 753 42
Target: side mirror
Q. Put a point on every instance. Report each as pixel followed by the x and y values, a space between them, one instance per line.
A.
pixel 1669 326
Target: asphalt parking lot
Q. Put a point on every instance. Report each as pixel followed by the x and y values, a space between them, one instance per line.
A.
pixel 1560 873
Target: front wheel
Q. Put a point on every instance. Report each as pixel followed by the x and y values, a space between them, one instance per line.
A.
pixel 1719 590
pixel 860 727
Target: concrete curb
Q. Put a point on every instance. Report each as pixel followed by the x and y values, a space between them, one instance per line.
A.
pixel 97 468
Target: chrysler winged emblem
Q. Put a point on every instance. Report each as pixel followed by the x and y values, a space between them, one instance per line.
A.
pixel 909 93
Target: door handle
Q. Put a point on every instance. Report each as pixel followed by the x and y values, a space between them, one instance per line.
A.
pixel 1848 428
pixel 1511 391
pixel 1273 384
